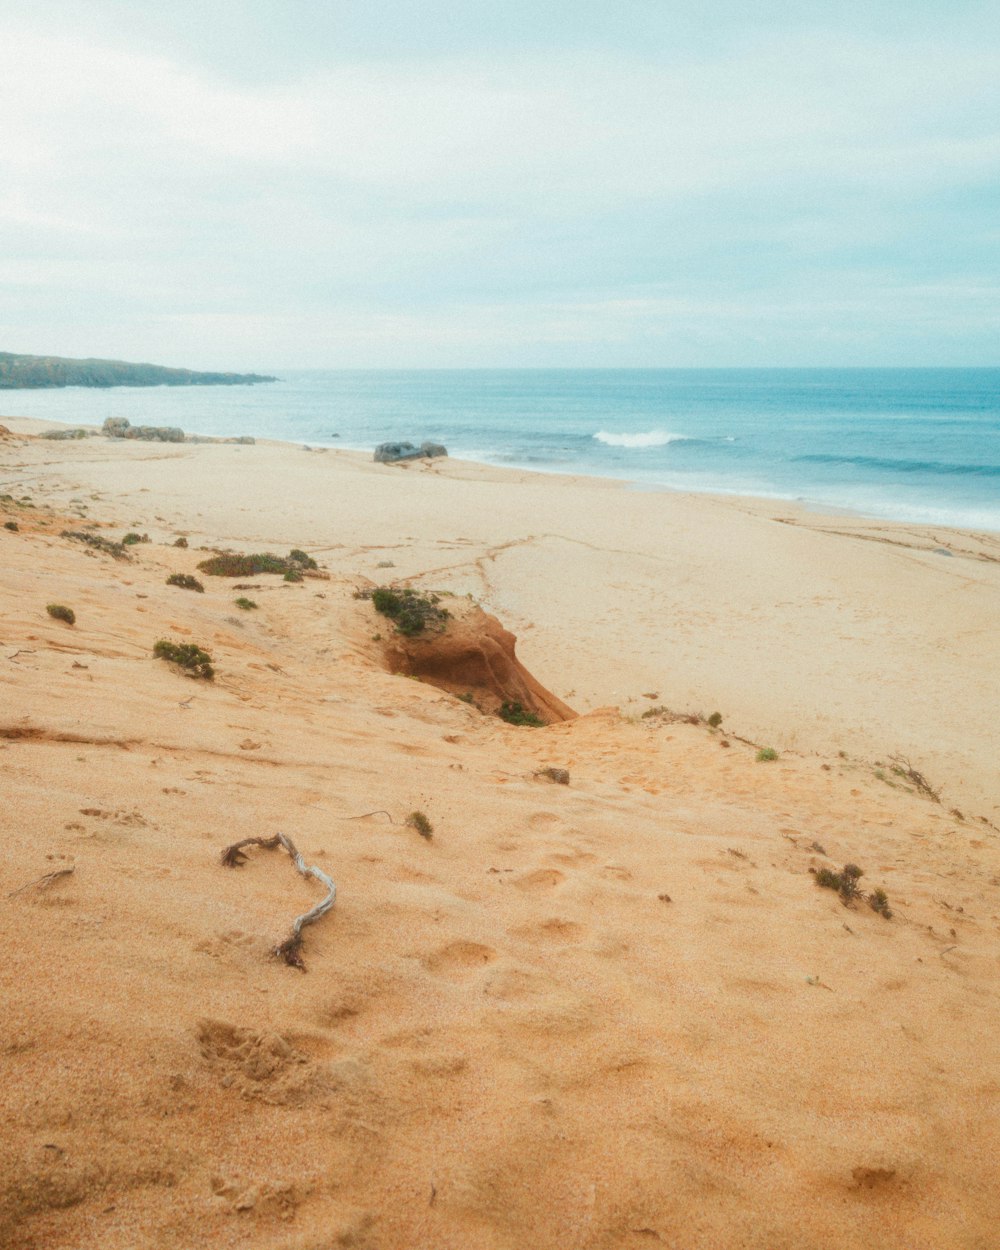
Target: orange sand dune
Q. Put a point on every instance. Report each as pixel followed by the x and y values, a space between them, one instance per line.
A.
pixel 613 1014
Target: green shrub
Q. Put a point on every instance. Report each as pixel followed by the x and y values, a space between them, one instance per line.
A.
pixel 11 525
pixel 409 610
pixel 715 720
pixel 231 564
pixel 186 582
pixel 516 714
pixel 418 821
pixel 765 754
pixel 293 575
pixel 180 542
pixel 186 655
pixel 61 613
pixel 303 560
pixel 246 604
pixel 131 538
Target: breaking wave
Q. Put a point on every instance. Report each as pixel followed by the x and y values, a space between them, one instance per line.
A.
pixel 653 438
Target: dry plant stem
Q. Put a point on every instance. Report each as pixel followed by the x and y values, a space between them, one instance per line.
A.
pixel 290 950
pixel 44 882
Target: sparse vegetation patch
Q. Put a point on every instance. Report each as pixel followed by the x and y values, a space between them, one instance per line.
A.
pixel 10 525
pixel 116 550
pixel 131 538
pixel 246 604
pixel 61 613
pixel 187 656
pixel 766 754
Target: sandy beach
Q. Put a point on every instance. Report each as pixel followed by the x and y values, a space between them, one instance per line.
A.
pixel 610 1014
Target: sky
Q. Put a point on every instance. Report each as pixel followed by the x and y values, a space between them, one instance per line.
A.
pixel 267 184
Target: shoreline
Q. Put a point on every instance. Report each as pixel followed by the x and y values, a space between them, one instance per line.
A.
pixel 801 503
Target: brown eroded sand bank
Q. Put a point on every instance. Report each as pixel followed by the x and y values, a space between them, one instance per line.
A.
pixel 613 1014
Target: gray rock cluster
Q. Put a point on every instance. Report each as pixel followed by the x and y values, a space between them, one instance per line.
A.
pixel 388 453
pixel 121 427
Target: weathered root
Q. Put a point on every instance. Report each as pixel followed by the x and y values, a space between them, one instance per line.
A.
pixel 290 950
pixel 43 883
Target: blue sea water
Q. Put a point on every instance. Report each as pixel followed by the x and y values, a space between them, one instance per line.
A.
pixel 907 444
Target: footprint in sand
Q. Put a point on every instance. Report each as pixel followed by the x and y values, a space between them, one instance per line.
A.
pixel 459 957
pixel 540 880
pixel 555 929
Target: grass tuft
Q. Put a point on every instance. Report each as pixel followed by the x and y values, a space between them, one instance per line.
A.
pixel 418 821
pixel 61 613
pixel 247 605
pixel 766 754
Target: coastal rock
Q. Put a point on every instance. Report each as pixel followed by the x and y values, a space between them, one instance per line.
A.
pixel 121 427
pixel 474 655
pixel 388 453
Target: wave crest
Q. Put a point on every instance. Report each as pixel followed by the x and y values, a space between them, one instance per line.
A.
pixel 652 438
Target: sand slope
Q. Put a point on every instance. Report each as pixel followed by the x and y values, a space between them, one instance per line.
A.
pixel 617 1013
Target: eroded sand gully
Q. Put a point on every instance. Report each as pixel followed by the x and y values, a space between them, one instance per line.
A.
pixel 617 1013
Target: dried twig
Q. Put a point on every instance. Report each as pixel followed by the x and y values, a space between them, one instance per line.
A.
pixel 43 883
pixel 291 949
pixel 902 767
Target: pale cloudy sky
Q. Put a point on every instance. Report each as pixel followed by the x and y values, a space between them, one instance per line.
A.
pixel 299 183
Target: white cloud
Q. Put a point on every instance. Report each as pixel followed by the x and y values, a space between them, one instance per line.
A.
pixel 512 184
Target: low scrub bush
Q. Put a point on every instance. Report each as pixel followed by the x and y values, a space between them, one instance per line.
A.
pixel 247 605
pixel 231 564
pixel 187 656
pixel 846 883
pixel 131 538
pixel 766 754
pixel 61 613
pixel 517 714
pixel 10 525
pixel 411 611
pixel 186 582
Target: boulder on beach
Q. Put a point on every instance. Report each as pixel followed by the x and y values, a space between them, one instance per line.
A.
pixel 388 453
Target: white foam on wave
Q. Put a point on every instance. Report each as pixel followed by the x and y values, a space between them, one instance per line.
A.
pixel 652 438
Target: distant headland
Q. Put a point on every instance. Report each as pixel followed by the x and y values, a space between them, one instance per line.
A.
pixel 39 372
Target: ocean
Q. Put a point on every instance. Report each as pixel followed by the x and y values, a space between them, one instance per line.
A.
pixel 920 445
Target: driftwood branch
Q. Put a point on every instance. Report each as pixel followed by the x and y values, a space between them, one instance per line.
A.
pixel 290 950
pixel 44 882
